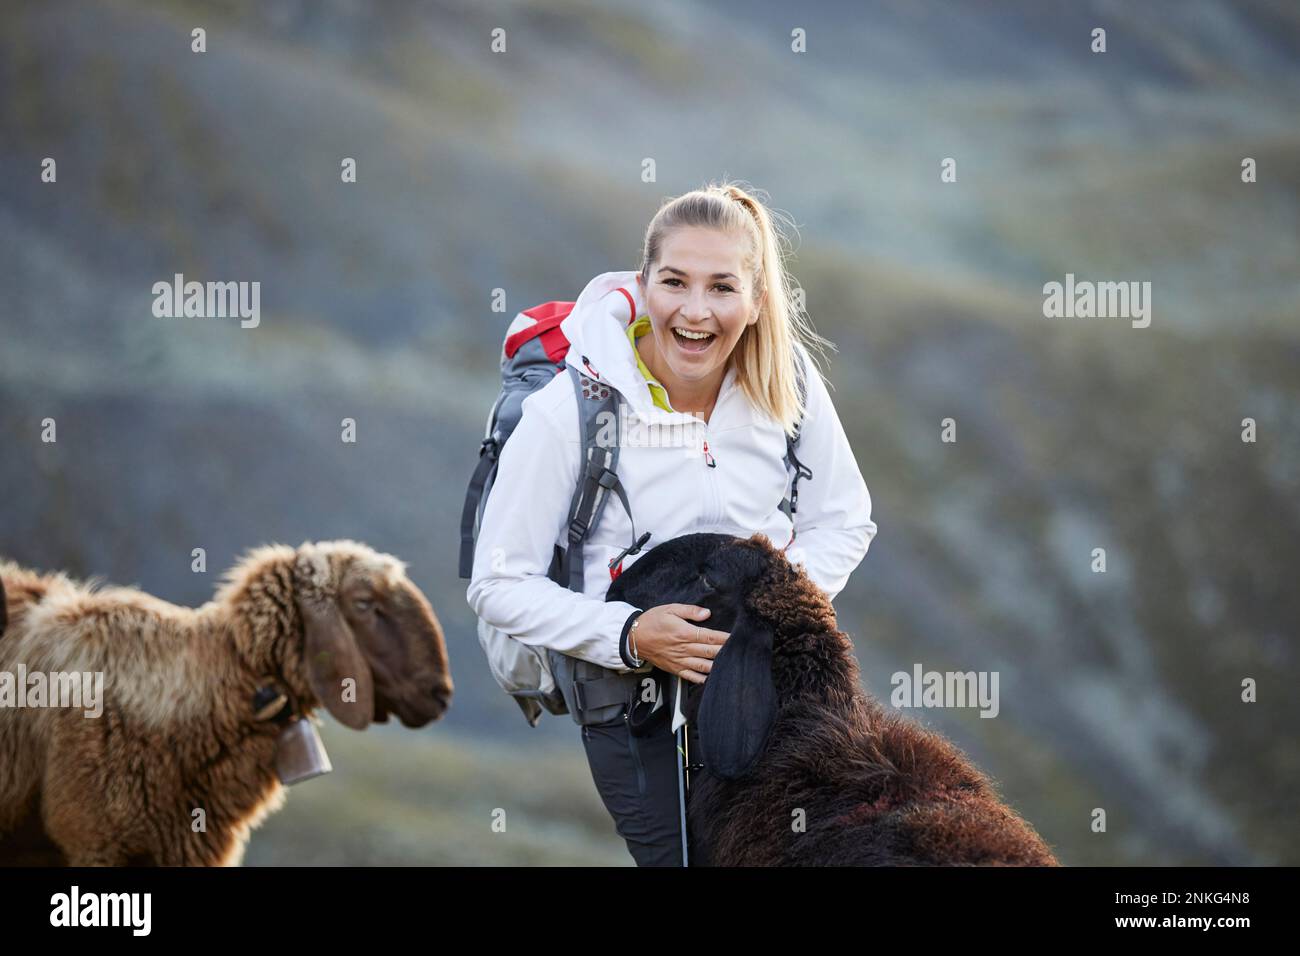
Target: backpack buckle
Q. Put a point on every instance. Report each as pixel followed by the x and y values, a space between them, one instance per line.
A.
pixel 635 548
pixel 489 445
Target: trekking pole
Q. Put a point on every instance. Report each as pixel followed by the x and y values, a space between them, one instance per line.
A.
pixel 686 755
pixel 682 761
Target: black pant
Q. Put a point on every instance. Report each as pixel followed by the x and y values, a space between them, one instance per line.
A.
pixel 637 781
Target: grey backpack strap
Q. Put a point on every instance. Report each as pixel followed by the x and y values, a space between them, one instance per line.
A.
pixel 790 503
pixel 592 693
pixel 598 477
pixel 488 453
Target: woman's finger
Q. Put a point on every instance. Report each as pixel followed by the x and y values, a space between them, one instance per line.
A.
pixel 689 675
pixel 707 635
pixel 689 612
pixel 706 651
pixel 699 664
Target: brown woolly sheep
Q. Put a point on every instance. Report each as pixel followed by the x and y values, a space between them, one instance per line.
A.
pixel 180 730
pixel 784 727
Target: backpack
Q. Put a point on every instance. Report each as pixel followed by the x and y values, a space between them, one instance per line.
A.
pixel 534 352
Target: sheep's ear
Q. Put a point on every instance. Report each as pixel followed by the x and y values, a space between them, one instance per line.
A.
pixel 331 650
pixel 333 657
pixel 739 704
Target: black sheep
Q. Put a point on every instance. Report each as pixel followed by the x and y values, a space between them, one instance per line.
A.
pixel 801 766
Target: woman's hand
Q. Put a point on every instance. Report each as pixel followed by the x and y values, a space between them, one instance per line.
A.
pixel 668 637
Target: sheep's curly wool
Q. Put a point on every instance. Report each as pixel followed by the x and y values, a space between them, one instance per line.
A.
pixel 841 779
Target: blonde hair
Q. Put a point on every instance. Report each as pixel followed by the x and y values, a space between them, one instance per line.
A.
pixel 765 355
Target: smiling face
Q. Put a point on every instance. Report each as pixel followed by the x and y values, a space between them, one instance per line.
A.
pixel 699 284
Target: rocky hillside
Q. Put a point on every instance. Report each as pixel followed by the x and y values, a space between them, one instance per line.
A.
pixel 522 172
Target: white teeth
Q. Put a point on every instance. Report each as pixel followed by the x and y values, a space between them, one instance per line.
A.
pixel 693 335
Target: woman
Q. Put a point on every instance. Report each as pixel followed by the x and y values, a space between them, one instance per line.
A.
pixel 702 346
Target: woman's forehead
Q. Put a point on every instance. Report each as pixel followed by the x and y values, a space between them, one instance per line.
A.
pixel 700 252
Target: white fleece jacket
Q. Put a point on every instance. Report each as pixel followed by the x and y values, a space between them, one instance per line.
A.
pixel 670 486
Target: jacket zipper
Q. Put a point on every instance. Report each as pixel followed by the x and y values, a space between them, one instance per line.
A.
pixel 711 472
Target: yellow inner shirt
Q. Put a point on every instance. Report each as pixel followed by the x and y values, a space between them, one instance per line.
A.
pixel 657 392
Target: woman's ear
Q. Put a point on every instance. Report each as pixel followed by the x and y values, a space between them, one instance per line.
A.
pixel 331 652
pixel 739 705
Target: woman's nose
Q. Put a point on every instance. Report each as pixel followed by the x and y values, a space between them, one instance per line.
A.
pixel 696 308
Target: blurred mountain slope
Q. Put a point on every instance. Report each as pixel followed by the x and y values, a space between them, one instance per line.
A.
pixel 522 172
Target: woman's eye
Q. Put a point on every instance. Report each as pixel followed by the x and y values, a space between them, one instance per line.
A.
pixel 721 285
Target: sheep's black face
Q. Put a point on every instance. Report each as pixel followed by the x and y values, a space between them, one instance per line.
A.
pixel 402 641
pixel 735 708
pixel 716 571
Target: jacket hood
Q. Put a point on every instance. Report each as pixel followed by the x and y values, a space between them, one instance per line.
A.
pixel 597 333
